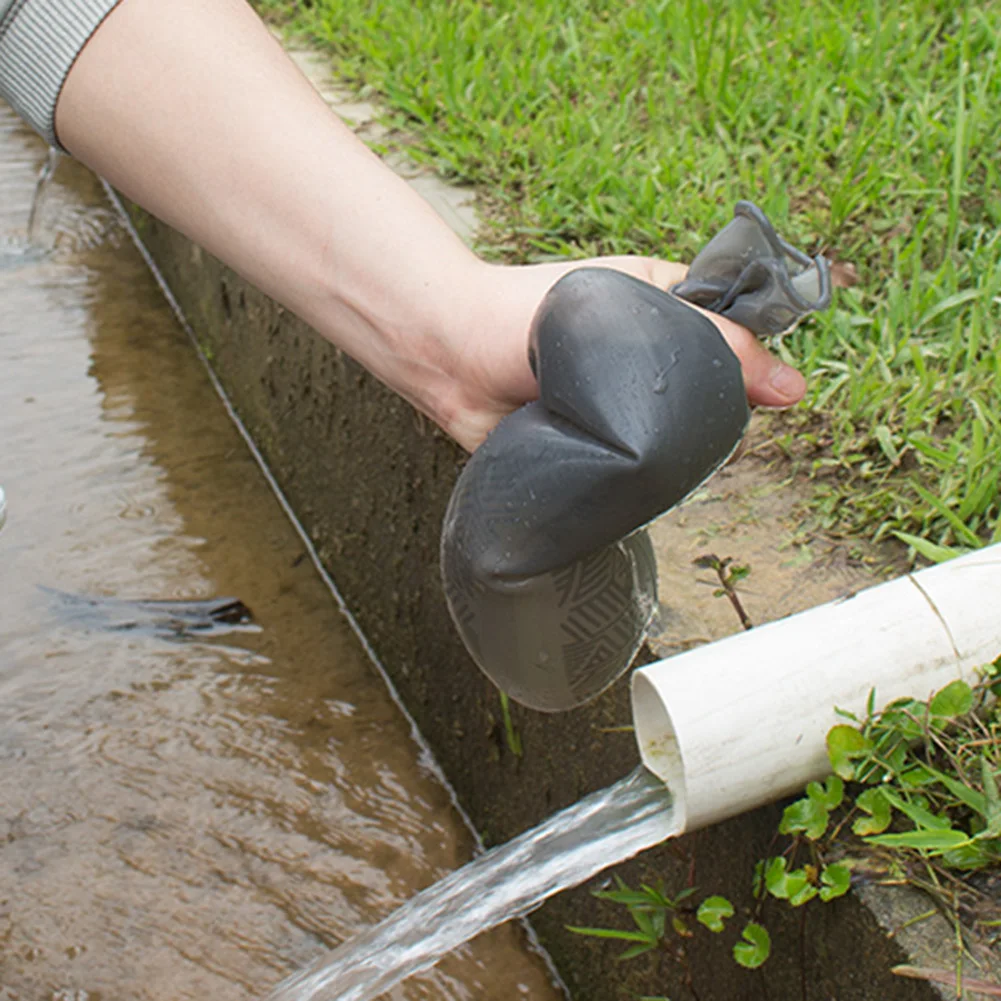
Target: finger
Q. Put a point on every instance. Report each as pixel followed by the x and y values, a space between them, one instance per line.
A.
pixel 769 381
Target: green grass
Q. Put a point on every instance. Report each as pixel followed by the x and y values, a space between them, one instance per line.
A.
pixel 866 130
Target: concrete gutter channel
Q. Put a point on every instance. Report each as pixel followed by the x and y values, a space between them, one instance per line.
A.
pixel 369 480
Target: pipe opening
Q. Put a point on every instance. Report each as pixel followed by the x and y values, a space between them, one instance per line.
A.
pixel 658 741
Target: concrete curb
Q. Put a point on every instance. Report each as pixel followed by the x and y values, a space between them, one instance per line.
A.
pixel 369 480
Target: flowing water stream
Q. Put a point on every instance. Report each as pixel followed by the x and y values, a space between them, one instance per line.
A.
pixel 186 812
pixel 508 881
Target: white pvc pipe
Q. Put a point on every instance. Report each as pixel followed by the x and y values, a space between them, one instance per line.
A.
pixel 742 722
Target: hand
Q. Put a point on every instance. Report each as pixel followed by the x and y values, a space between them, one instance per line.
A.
pixel 491 371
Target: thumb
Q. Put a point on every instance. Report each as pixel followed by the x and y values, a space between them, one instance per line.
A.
pixel 769 382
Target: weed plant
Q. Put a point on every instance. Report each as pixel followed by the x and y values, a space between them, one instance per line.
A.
pixel 914 799
pixel 868 131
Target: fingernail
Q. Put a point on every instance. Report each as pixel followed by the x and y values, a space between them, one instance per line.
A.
pixel 787 382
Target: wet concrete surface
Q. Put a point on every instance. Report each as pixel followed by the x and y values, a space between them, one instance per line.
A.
pixel 182 815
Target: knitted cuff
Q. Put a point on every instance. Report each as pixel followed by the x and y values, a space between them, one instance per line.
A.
pixel 39 42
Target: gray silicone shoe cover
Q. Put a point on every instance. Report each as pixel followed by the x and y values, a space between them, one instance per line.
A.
pixel 750 275
pixel 549 577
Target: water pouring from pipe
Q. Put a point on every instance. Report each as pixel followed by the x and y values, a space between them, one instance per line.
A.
pixel 506 882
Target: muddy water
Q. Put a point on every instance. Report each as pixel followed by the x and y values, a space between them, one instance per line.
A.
pixel 180 816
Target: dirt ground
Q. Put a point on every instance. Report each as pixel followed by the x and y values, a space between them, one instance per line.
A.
pixel 756 512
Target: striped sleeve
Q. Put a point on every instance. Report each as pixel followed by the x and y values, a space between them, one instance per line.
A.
pixel 39 42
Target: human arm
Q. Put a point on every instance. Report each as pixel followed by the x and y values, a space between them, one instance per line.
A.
pixel 193 110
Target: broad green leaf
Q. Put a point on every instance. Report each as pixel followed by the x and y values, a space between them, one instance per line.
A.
pixel 775 869
pixel 990 847
pixel 713 911
pixel 975 855
pixel 844 744
pixel 793 885
pixel 905 704
pixel 755 947
pixel 777 880
pixel 873 803
pixel 833 792
pixel 992 671
pixel 897 758
pixel 807 892
pixel 815 791
pixel 931 841
pixel 955 699
pixel 899 723
pixel 836 880
pixel 806 816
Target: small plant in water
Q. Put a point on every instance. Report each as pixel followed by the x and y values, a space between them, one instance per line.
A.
pixel 915 797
